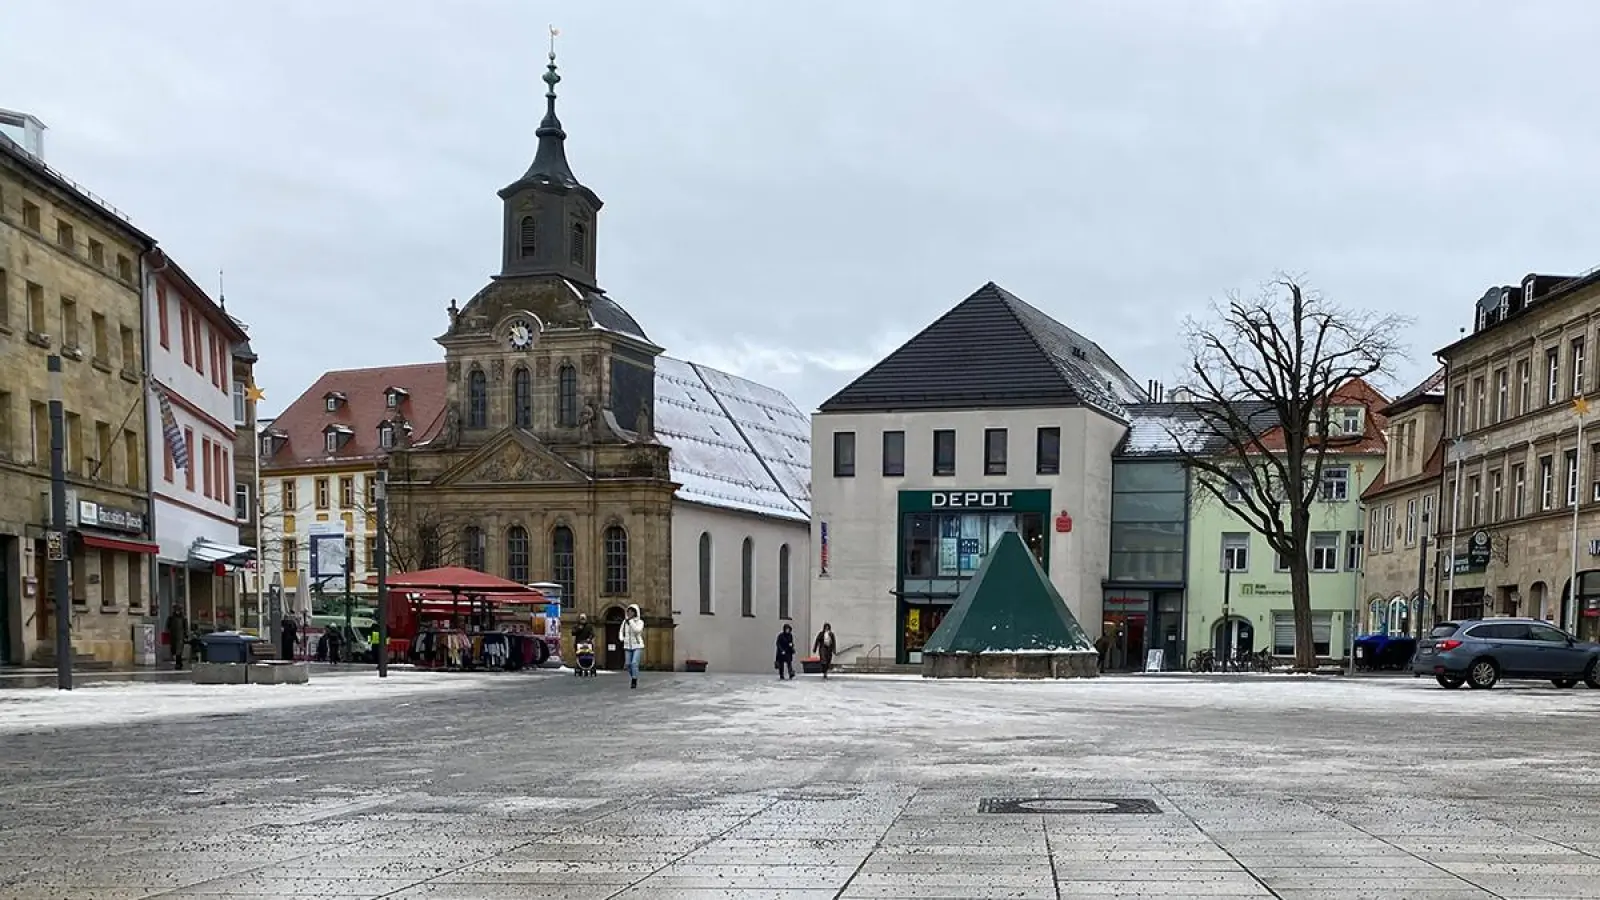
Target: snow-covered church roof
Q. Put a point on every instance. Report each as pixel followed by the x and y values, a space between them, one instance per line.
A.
pixel 735 444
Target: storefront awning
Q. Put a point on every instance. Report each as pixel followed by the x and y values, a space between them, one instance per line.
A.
pixel 126 545
pixel 209 553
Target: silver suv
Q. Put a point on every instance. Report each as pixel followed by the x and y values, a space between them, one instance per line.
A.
pixel 1480 652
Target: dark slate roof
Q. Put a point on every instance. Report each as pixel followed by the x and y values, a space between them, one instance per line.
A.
pixel 992 350
pixel 1008 606
pixel 1168 430
pixel 607 313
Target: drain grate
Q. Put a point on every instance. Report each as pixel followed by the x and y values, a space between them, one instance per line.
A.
pixel 1069 805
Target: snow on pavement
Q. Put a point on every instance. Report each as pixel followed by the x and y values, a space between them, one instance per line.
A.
pixel 40 709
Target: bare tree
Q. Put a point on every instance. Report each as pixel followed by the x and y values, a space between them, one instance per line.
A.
pixel 1265 374
pixel 420 537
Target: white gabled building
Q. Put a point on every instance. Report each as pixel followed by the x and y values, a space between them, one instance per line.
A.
pixel 189 344
pixel 994 418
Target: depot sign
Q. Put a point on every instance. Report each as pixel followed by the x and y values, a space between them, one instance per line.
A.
pixel 970 499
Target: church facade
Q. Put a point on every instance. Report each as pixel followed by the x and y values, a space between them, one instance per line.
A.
pixel 559 460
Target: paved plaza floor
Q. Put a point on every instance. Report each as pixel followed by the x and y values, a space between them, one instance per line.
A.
pixel 704 786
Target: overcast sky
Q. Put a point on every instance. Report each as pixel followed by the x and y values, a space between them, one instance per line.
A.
pixel 792 189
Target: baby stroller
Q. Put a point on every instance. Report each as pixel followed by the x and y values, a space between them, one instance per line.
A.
pixel 585 660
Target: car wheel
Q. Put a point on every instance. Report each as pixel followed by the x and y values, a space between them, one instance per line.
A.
pixel 1450 681
pixel 1563 683
pixel 1483 674
pixel 1592 677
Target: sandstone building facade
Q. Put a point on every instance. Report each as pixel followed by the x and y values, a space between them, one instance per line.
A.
pixel 1521 482
pixel 1403 514
pixel 71 271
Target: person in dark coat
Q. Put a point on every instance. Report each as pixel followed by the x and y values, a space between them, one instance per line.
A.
pixel 785 659
pixel 177 635
pixel 825 646
pixel 288 633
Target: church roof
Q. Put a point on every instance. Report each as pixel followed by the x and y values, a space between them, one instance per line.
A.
pixel 1008 606
pixel 992 350
pixel 735 444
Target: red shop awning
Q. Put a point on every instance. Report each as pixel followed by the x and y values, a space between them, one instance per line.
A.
pixel 126 545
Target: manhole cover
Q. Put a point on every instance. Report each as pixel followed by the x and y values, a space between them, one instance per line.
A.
pixel 1069 805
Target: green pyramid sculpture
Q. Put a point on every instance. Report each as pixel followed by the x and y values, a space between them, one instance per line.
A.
pixel 1009 608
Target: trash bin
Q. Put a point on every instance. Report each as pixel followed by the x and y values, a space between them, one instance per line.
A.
pixel 227 647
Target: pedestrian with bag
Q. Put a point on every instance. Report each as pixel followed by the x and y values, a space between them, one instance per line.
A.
pixel 824 647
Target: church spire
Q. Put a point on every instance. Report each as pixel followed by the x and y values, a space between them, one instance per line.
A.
pixel 550 162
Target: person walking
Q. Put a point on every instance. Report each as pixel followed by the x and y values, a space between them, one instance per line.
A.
pixel 824 647
pixel 177 636
pixel 786 652
pixel 631 633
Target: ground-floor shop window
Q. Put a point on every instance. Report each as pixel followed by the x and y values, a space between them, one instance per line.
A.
pixel 1466 604
pixel 918 623
pixel 1283 633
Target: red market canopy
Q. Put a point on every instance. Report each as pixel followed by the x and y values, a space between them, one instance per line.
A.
pixel 493 598
pixel 453 580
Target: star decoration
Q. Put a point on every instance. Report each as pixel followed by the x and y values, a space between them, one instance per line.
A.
pixel 254 394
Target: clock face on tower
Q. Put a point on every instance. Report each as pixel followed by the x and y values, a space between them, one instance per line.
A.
pixel 520 334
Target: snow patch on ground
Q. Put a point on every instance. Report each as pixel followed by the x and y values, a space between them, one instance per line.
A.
pixel 42 709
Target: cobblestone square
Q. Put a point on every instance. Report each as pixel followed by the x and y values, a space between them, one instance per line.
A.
pixel 700 786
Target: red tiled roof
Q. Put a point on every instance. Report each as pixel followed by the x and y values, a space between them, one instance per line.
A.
pixel 1355 393
pixel 364 409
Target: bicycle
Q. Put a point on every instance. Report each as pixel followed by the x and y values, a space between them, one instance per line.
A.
pixel 1203 661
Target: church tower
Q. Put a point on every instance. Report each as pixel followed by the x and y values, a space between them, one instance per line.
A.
pixel 550 216
pixel 545 466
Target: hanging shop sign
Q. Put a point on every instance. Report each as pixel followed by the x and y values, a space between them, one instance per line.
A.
pixel 1063 523
pixel 822 540
pixel 1476 558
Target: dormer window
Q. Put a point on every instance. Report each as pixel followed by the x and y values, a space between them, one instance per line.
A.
pixel 386 436
pixel 393 397
pixel 333 400
pixel 269 445
pixel 1505 304
pixel 1351 420
pixel 1527 292
pixel 334 437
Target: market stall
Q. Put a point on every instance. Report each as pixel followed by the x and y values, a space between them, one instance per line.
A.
pixel 458 618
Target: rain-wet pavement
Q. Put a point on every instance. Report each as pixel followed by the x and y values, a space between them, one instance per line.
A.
pixel 700 786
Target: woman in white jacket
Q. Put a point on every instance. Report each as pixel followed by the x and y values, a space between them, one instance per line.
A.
pixel 632 637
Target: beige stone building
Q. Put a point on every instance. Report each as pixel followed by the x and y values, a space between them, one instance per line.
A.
pixel 70 282
pixel 1521 481
pixel 1402 508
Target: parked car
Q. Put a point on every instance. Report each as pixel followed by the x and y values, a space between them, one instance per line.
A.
pixel 1480 652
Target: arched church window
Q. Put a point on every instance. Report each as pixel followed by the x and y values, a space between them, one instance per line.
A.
pixel 783 582
pixel 616 559
pixel 567 389
pixel 563 564
pixel 517 554
pixel 706 608
pixel 528 236
pixel 580 243
pixel 522 397
pixel 477 400
pixel 747 578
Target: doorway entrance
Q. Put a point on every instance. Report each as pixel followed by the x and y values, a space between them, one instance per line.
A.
pixel 918 622
pixel 1124 634
pixel 7 547
pixel 613 658
pixel 1232 637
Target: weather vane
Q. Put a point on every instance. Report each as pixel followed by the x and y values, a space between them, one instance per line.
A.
pixel 554 33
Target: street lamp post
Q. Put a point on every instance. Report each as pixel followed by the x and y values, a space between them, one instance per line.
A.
pixel 1422 577
pixel 381 551
pixel 56 541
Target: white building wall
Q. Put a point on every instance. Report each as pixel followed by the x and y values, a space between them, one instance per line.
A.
pixel 184 514
pixel 860 512
pixel 727 639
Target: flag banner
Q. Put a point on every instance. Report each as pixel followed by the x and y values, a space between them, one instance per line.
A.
pixel 176 445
